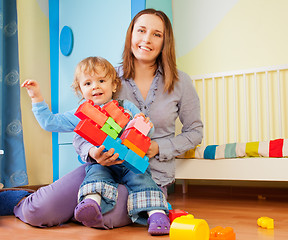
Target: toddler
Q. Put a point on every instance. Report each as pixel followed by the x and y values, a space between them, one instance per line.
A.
pixel 96 79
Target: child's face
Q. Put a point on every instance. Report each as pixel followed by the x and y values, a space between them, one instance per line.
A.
pixel 97 88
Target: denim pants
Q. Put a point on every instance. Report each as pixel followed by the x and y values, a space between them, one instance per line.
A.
pixel 143 193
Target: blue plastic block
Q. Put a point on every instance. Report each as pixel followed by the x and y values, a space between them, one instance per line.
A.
pixel 136 163
pixel 119 148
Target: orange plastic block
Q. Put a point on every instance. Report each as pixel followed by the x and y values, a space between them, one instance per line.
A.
pixel 87 110
pixel 175 213
pixel 137 138
pixel 91 132
pixel 140 124
pixel 117 113
pixel 134 148
pixel 220 233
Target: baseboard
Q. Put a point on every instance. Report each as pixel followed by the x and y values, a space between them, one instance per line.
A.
pixel 32 187
pixel 248 192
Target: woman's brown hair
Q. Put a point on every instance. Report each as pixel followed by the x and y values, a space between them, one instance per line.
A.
pixel 167 57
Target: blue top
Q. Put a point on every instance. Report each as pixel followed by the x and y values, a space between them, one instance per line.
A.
pixel 60 122
pixel 163 110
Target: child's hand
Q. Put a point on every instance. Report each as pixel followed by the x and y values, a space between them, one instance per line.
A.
pixel 146 119
pixel 104 158
pixel 33 90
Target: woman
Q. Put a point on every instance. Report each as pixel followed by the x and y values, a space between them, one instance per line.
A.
pixel 151 81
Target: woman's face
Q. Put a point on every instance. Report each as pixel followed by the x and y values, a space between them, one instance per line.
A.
pixel 147 38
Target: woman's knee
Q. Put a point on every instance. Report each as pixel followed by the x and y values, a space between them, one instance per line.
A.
pixel 44 209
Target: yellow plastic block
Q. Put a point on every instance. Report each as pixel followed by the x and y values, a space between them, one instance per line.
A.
pixel 187 227
pixel 266 222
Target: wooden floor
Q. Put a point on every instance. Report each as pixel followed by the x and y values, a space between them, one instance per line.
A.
pixel 239 213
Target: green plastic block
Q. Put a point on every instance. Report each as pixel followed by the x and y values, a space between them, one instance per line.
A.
pixel 109 130
pixel 114 125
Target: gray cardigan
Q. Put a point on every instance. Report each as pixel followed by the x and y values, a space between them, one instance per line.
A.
pixel 163 109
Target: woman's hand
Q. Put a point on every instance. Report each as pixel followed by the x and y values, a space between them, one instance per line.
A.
pixel 104 158
pixel 153 149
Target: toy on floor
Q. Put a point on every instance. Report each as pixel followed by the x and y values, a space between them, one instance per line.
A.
pixel 187 227
pixel 265 222
pixel 101 126
pixel 220 233
pixel 175 213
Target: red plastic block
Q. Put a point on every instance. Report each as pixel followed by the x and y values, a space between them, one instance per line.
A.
pixel 137 138
pixel 175 213
pixel 123 119
pixel 220 233
pixel 117 113
pixel 140 124
pixel 87 110
pixel 90 132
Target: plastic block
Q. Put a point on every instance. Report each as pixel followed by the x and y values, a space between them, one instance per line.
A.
pixel 109 130
pixel 138 139
pixel 87 110
pixel 140 124
pixel 116 144
pixel 123 119
pixel 188 228
pixel 114 125
pixel 117 113
pixel 89 131
pixel 265 222
pixel 220 233
pixel 175 213
pixel 135 163
pixel 134 148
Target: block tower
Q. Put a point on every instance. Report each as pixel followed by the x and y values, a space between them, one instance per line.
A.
pixel 102 126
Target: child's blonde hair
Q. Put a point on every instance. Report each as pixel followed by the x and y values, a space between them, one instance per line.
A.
pixel 89 66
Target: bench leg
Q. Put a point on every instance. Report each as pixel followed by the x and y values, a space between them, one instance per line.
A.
pixel 184 186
